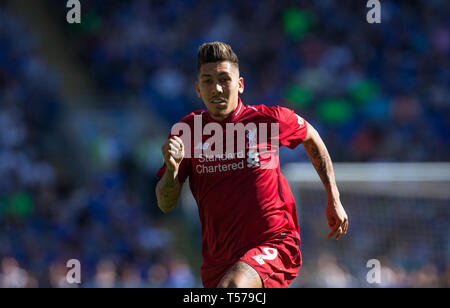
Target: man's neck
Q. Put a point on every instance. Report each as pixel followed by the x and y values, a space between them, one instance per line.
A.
pixel 221 117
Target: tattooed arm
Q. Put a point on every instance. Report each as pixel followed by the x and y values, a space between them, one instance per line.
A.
pixel 319 157
pixel 168 189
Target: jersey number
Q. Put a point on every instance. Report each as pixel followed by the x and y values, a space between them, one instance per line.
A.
pixel 269 254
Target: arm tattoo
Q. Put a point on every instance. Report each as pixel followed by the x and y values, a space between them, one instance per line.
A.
pixel 322 163
pixel 168 192
pixel 245 269
pixel 321 160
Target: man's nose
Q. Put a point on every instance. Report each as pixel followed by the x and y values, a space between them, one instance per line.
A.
pixel 218 88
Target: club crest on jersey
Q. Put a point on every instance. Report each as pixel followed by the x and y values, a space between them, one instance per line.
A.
pixel 253 155
pixel 253 158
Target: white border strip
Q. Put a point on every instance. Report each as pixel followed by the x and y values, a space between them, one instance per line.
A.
pixel 372 172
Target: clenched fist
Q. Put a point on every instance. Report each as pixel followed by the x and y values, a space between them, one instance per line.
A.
pixel 173 153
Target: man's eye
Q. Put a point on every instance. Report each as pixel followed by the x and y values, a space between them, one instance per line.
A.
pixel 207 81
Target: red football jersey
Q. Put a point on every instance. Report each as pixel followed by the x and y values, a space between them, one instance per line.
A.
pixel 243 199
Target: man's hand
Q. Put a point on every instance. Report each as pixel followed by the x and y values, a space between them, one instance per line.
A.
pixel 173 153
pixel 337 219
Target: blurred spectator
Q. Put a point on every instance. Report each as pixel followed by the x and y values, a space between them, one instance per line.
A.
pixel 13 276
pixel 157 276
pixel 106 275
pixel 131 277
pixel 330 274
pixel 180 274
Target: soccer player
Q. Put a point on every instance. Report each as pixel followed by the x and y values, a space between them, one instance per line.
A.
pixel 250 232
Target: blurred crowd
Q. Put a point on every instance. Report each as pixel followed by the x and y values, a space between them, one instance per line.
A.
pixel 374 92
pixel 45 217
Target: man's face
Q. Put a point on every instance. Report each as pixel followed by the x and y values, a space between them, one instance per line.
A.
pixel 219 86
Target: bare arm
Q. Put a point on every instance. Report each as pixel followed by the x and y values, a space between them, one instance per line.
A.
pixel 321 160
pixel 168 189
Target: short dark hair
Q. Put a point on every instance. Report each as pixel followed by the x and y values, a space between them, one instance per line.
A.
pixel 215 52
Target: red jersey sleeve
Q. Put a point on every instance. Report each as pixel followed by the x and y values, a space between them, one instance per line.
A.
pixel 293 128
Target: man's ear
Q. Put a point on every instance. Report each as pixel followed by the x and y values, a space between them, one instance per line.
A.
pixel 241 85
pixel 197 89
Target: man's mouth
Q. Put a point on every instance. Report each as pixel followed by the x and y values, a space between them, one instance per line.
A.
pixel 219 101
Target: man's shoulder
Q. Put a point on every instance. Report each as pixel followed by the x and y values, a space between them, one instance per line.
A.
pixel 275 111
pixel 189 119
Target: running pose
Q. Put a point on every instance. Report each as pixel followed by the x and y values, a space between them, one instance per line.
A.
pixel 250 232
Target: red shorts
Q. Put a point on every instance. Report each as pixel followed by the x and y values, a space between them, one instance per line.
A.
pixel 277 262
